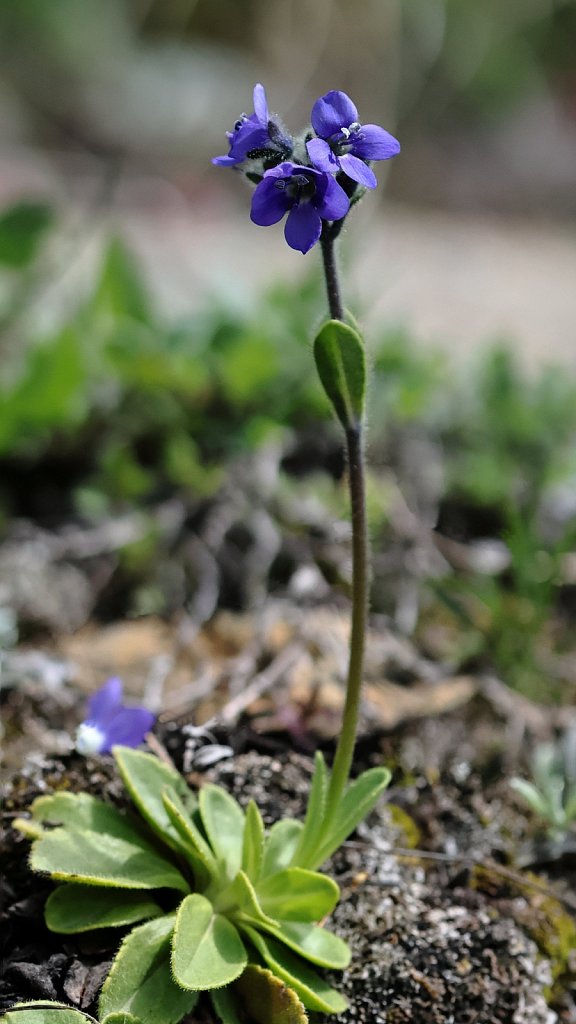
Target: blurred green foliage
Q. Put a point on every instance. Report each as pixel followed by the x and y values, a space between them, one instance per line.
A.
pixel 132 408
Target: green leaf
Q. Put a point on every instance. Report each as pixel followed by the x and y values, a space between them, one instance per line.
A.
pixel 280 845
pixel 239 902
pixel 341 364
pixel 532 796
pixel 99 859
pixel 74 908
pixel 253 842
pixel 224 1005
pixel 198 852
pixel 121 1018
pixel 43 1011
pixel 140 981
pixel 295 894
pixel 223 819
pixel 314 820
pixel 316 944
pixel 145 777
pixel 358 800
pixel 80 811
pixel 207 951
pixel 266 999
pixel 315 993
pixel 120 291
pixel 21 229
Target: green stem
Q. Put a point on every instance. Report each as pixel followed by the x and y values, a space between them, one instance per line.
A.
pixel 360 564
pixel 360 580
pixel 331 273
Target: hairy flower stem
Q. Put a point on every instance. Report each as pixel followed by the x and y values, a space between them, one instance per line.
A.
pixel 360 565
pixel 331 273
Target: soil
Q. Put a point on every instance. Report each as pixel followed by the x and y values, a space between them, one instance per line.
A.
pixel 443 928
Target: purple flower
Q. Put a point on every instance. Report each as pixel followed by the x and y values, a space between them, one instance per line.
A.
pixel 109 722
pixel 307 195
pixel 258 135
pixel 344 144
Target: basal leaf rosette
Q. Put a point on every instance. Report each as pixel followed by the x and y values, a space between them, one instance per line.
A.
pixel 204 892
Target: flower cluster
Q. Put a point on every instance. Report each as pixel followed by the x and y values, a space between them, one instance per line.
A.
pixel 313 179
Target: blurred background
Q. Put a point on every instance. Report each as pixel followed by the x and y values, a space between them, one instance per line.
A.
pixel 111 109
pixel 154 343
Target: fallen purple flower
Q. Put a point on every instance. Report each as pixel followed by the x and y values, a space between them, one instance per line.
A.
pixel 110 722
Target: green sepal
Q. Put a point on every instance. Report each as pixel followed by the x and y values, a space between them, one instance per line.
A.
pixel 93 858
pixel 358 800
pixel 295 894
pixel 313 822
pixel 145 777
pixel 207 951
pixel 315 944
pixel 198 851
pixel 253 842
pixel 341 363
pixel 280 845
pixel 77 908
pixel 315 993
pixel 140 981
pixel 267 999
pixel 44 1011
pixel 223 821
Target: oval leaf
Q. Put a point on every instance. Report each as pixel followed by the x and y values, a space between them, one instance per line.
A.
pixel 267 999
pixel 145 777
pixel 280 845
pixel 140 982
pixel 198 852
pixel 295 894
pixel 75 908
pixel 223 820
pixel 315 993
pixel 341 364
pixel 313 823
pixel 316 944
pixel 97 859
pixel 207 951
pixel 358 800
pixel 44 1011
pixel 253 842
pixel 81 811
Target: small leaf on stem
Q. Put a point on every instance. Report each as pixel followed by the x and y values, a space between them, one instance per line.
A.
pixel 341 363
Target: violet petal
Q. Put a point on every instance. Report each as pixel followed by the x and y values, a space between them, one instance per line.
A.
pixel 303 227
pixel 322 156
pixel 375 143
pixel 332 112
pixel 357 170
pixel 104 704
pixel 269 203
pixel 128 727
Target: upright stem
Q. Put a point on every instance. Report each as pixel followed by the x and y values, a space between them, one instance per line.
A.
pixel 331 274
pixel 360 565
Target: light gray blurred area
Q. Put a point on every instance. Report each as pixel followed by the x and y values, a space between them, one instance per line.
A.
pixel 113 108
